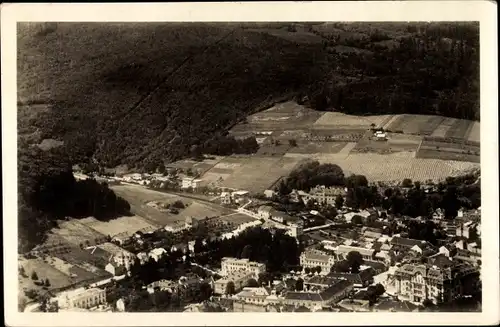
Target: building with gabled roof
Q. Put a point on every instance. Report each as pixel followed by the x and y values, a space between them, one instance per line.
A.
pixel 359 280
pixel 332 294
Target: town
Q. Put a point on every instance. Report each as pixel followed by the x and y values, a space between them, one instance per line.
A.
pixel 283 250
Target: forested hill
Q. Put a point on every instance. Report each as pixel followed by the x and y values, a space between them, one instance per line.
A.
pixel 140 94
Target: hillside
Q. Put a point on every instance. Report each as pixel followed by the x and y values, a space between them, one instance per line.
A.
pixel 147 93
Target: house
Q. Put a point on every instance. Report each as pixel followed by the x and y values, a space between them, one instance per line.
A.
pixel 226 198
pixel 230 265
pixel 364 214
pixel 189 182
pixel 467 230
pixel 371 233
pixel 417 282
pixel 162 285
pixel 343 250
pixel 254 295
pixel 406 242
pixel 143 257
pixel 115 270
pixel 390 305
pixel 269 193
pixel 333 294
pixel 313 259
pixel 467 256
pixel 297 196
pixel 113 254
pixel 319 282
pixel 82 298
pixel 323 195
pixel 360 280
pixel 157 253
pixel 237 278
pixel 378 267
pixel 264 212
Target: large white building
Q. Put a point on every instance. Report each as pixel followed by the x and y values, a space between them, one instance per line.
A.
pixel 189 182
pixel 82 298
pixel 232 265
pixel 314 258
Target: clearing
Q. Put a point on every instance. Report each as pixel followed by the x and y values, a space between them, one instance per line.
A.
pixel 119 225
pixel 415 124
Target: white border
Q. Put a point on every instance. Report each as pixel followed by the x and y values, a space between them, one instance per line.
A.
pixel 482 11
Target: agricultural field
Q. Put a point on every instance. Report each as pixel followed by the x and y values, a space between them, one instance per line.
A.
pixel 119 225
pixel 76 232
pixel 254 173
pixel 394 143
pixel 459 129
pixel 309 147
pixel 415 124
pixel 459 151
pixel 397 166
pixel 443 128
pixel 340 120
pixel 475 133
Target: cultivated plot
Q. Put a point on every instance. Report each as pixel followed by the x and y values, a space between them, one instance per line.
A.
pixel 459 129
pixel 44 271
pixel 120 225
pixel 475 132
pixel 76 232
pixel 415 124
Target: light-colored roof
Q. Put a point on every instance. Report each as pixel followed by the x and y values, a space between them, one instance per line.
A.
pixel 112 248
pixel 346 249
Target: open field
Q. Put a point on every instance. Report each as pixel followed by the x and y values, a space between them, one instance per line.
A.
pixel 254 173
pixel 475 132
pixel 459 129
pixel 415 124
pixel 139 197
pixel 76 232
pixel 299 36
pixel 120 225
pixel 340 120
pixel 443 128
pixel 44 271
pixel 395 143
pixel 308 147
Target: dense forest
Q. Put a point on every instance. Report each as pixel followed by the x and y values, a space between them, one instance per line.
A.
pixel 121 109
pixel 49 192
pixel 160 92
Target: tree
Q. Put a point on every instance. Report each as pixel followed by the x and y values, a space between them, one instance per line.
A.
pixel 252 283
pixel 407 183
pixel 307 270
pixel 299 285
pixel 178 204
pixel 22 272
pixel 354 260
pixel 34 275
pixel 198 245
pixel 341 267
pixel 339 201
pixel 292 143
pixel 230 288
pixel 47 282
pixel 357 220
pixel 246 253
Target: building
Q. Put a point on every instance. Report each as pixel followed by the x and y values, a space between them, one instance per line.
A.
pixel 157 253
pixel 254 295
pixel 360 280
pixel 371 233
pixel 113 253
pixel 238 278
pixel 313 258
pixel 323 195
pixel 115 270
pixel 225 198
pixel 82 298
pixel 467 230
pixel 390 305
pixel 332 294
pixel 417 282
pixel 189 182
pixel 343 250
pixel 269 193
pixel 231 265
pixel 407 243
pixel 319 282
pixel 264 212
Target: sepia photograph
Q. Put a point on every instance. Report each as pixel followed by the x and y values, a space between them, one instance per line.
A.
pixel 296 166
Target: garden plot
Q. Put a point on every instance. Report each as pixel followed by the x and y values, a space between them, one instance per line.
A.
pixel 309 147
pixel 443 128
pixel 475 132
pixel 44 271
pixel 76 232
pixel 120 225
pixel 459 129
pixel 415 124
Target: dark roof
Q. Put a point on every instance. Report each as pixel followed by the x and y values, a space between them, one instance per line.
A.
pixel 321 280
pixel 441 261
pixel 361 295
pixel 398 306
pixel 375 264
pixel 303 296
pixel 333 290
pixel 407 242
pixel 358 278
